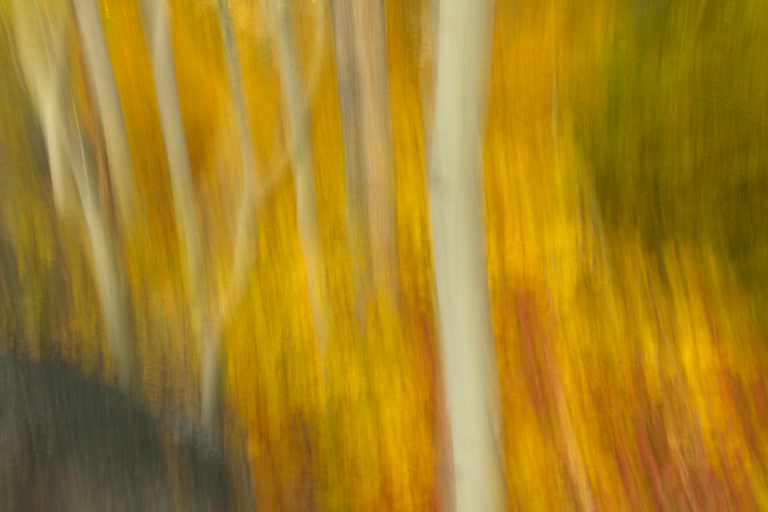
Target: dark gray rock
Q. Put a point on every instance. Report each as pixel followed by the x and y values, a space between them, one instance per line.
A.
pixel 71 444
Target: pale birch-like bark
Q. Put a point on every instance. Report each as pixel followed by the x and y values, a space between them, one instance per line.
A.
pixel 361 60
pixel 458 228
pixel 172 125
pixel 300 154
pixel 247 156
pixel 110 111
pixel 40 61
pixel 158 39
pixel 208 325
pixel 212 371
pixel 41 38
pixel 114 299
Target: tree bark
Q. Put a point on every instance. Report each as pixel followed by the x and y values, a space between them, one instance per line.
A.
pixel 172 125
pixel 115 302
pixel 361 56
pixel 161 54
pixel 40 62
pixel 458 228
pixel 247 156
pixel 99 65
pixel 298 134
pixel 41 46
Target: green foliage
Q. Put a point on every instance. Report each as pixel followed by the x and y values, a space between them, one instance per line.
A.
pixel 680 150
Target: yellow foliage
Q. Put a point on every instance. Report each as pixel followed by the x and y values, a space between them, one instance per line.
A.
pixel 632 373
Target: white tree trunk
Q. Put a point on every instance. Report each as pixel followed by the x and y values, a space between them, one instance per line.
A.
pixel 114 299
pixel 299 138
pixel 40 62
pixel 94 47
pixel 62 185
pixel 161 54
pixel 172 125
pixel 40 39
pixel 458 227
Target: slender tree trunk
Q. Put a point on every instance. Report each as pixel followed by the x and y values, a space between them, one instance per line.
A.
pixel 114 300
pixel 40 62
pixel 361 56
pixel 41 42
pixel 61 175
pixel 458 227
pixel 300 152
pixel 94 47
pixel 161 54
pixel 247 156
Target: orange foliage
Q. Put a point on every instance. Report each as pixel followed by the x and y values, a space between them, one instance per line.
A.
pixel 631 379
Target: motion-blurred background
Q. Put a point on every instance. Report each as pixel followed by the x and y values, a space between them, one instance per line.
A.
pixel 231 206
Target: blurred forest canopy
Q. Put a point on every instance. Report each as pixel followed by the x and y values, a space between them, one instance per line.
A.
pixel 626 207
